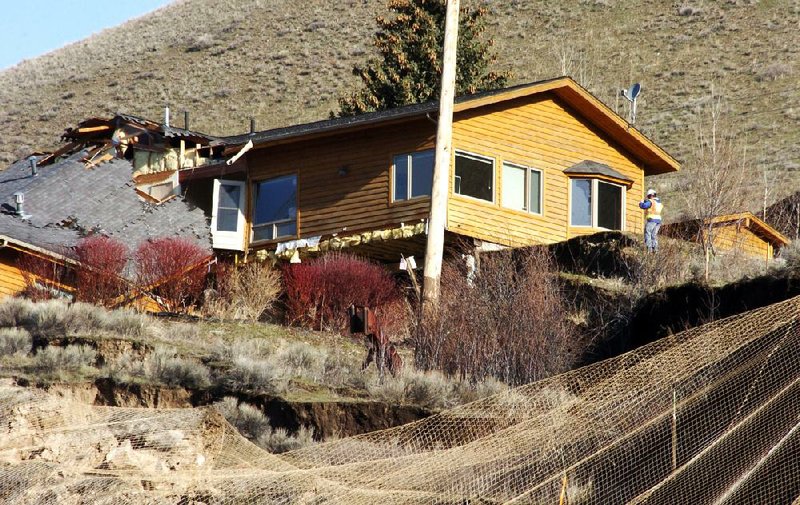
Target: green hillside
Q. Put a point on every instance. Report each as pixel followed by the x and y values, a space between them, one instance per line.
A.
pixel 286 62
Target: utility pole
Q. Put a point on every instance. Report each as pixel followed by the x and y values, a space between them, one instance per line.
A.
pixel 441 168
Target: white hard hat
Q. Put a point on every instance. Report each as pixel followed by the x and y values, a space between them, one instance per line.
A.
pixel 651 191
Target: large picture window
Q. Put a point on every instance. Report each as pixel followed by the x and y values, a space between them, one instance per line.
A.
pixel 474 176
pixel 275 208
pixel 522 188
pixel 413 175
pixel 597 204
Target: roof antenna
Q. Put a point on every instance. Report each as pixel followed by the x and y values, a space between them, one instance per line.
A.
pixel 630 94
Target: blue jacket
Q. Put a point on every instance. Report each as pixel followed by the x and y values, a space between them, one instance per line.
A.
pixel 646 204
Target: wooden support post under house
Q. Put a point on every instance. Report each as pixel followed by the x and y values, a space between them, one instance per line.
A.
pixel 441 171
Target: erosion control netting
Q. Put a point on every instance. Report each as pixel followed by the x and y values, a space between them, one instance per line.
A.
pixel 710 415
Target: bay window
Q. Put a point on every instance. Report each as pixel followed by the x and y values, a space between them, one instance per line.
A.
pixel 596 203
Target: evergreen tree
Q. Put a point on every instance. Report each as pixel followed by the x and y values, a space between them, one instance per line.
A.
pixel 409 67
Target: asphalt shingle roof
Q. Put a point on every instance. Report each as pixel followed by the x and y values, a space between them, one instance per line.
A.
pixel 67 200
pixel 588 167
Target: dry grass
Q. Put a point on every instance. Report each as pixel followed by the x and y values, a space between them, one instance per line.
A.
pixel 298 57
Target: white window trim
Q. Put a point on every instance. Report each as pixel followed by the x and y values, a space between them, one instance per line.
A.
pixel 528 178
pixel 595 182
pixel 230 240
pixel 274 224
pixel 478 157
pixel 408 176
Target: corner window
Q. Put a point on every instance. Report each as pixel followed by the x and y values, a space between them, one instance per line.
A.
pixel 474 176
pixel 412 175
pixel 597 204
pixel 522 188
pixel 275 208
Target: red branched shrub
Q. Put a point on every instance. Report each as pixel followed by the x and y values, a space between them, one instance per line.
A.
pixel 319 291
pixel 44 278
pixel 173 269
pixel 99 273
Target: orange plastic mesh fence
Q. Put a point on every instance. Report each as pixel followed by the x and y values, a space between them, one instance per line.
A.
pixel 710 415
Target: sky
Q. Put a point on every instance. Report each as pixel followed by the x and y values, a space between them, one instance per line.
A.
pixel 29 28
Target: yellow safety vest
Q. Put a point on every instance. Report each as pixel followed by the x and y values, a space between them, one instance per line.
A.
pixel 654 211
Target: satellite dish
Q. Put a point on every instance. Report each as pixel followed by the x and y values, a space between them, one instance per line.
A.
pixel 634 91
pixel 630 94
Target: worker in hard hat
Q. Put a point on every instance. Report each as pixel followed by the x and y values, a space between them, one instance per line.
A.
pixel 653 208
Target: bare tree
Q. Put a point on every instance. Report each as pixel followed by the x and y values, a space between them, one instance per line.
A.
pixel 716 174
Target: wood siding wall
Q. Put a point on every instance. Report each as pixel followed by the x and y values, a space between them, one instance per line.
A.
pixel 733 237
pixel 542 134
pixel 11 280
pixel 360 200
pixel 538 132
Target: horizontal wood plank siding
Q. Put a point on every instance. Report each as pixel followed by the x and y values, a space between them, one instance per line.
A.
pixel 359 200
pixel 541 133
pixel 11 280
pixel 733 237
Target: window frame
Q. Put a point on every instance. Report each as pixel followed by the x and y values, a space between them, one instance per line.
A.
pixel 274 224
pixel 409 177
pixel 595 201
pixel 479 157
pixel 528 179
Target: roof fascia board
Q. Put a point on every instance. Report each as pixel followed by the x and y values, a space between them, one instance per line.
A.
pixel 25 245
pixel 656 159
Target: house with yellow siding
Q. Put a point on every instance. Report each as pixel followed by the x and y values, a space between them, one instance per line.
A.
pixel 532 164
pixel 741 233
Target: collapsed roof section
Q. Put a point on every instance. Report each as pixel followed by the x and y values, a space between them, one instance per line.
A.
pixel 93 186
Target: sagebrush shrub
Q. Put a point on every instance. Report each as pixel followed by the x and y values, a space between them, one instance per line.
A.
pixel 279 440
pixel 259 376
pixel 15 341
pixel 246 418
pixel 98 276
pixel 57 360
pixel 173 371
pixel 125 368
pixel 299 357
pixel 173 269
pixel 319 291
pixel 15 312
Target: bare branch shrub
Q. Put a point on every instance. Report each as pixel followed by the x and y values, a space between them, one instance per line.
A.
pixel 98 276
pixel 509 323
pixel 15 341
pixel 243 292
